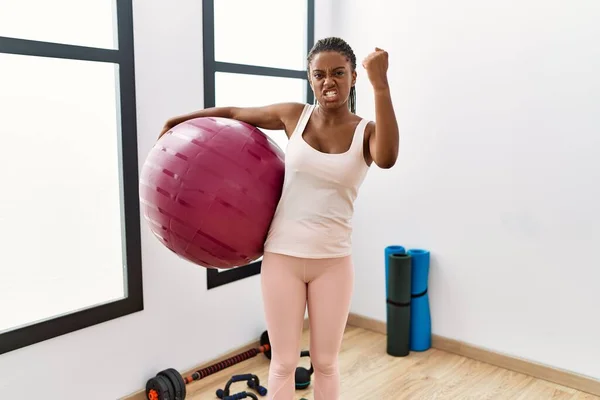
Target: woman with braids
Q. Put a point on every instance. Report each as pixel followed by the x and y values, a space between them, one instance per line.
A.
pixel 307 259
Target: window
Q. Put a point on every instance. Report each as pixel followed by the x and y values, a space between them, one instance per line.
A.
pixel 71 253
pixel 255 54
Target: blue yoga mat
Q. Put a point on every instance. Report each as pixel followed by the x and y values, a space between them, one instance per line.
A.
pixel 390 250
pixel 420 315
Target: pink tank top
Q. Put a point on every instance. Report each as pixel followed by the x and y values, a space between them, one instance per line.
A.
pixel 314 216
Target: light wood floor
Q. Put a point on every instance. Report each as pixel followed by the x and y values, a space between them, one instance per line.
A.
pixel 367 372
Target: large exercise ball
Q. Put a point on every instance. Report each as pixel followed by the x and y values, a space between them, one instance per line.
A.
pixel 209 189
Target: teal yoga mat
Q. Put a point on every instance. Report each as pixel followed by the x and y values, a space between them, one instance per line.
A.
pixel 420 315
pixel 398 304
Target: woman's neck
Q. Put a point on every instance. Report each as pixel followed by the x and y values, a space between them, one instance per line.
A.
pixel 333 117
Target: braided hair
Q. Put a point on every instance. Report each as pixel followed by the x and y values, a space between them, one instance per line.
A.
pixel 340 46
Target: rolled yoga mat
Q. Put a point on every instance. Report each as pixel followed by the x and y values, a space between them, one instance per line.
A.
pixel 420 316
pixel 389 250
pixel 398 304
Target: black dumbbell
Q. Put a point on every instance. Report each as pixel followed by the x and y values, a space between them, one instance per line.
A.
pixel 166 385
pixel 264 340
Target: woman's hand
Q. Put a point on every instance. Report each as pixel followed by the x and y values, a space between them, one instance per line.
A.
pixel 167 127
pixel 376 65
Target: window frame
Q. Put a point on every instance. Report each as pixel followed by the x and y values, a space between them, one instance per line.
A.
pixel 128 147
pixel 215 277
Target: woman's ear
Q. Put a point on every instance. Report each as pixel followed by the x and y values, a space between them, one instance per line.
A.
pixel 309 81
pixel 354 73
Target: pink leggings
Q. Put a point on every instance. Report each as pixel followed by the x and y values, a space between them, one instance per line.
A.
pixel 289 284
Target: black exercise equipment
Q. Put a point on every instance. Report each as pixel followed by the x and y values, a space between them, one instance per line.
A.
pixel 241 395
pixel 170 385
pixel 264 341
pixel 166 385
pixel 398 304
pixel 302 375
pixel 252 381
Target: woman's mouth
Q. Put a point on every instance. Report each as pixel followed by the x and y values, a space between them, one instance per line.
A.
pixel 330 94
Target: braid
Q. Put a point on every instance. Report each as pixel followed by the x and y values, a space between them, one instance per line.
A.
pixel 338 45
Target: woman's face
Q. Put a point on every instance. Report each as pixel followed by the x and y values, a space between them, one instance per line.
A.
pixel 331 78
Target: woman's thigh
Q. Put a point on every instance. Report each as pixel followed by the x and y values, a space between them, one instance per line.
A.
pixel 284 300
pixel 330 292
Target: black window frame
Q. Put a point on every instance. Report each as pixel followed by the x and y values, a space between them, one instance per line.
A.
pixel 128 147
pixel 214 277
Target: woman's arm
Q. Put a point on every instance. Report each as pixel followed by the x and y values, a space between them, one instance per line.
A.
pixel 273 117
pixel 384 136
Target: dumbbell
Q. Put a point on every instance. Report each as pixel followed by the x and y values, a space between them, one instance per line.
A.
pixel 253 382
pixel 166 385
pixel 170 385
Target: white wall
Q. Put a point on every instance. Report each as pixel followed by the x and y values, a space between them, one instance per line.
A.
pixel 499 111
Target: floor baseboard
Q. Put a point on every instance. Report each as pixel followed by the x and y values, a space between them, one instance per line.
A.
pixel 536 370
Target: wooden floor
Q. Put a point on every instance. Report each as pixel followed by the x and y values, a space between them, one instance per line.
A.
pixel 367 372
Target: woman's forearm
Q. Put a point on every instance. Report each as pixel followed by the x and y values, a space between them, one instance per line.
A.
pixel 223 112
pixel 272 117
pixel 385 140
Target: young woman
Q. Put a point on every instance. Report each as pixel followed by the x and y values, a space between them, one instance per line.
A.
pixel 307 259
